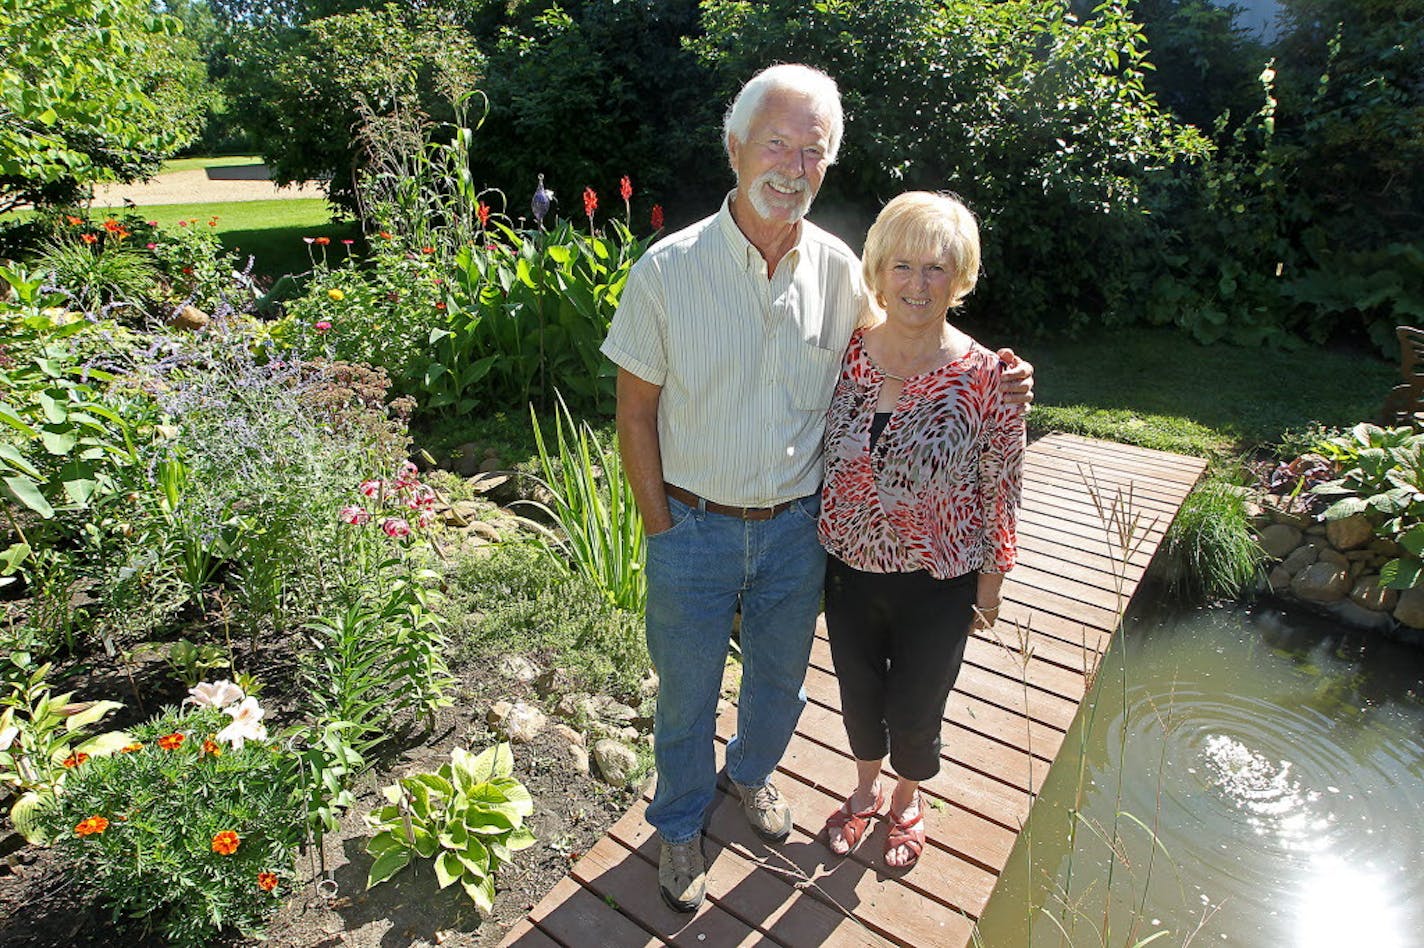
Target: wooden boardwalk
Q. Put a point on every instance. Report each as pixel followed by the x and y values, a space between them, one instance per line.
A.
pixel 1002 729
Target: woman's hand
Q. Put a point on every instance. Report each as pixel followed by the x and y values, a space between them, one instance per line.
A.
pixel 987 599
pixel 1016 381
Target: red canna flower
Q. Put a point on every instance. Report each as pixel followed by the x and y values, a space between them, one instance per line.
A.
pixel 75 759
pixel 590 203
pixel 89 238
pixel 266 881
pixel 625 188
pixel 92 826
pixel 225 843
pixel 322 241
pixel 482 211
pixel 656 218
pixel 171 741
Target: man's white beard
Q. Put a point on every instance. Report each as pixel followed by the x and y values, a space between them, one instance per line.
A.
pixel 763 206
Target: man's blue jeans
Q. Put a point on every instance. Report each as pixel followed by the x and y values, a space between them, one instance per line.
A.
pixel 699 571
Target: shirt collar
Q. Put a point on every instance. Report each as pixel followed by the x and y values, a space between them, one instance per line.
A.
pixel 742 249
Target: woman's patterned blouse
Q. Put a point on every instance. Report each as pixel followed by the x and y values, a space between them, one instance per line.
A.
pixel 940 489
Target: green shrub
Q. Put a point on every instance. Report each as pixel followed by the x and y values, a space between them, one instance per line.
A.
pixel 185 830
pixel 109 272
pixel 1211 550
pixel 1381 478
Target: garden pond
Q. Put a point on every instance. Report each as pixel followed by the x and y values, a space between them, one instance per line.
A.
pixel 1280 760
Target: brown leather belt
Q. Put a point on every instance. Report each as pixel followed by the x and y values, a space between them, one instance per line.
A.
pixel 741 513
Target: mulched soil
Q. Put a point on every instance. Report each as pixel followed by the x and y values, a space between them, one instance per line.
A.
pixel 40 907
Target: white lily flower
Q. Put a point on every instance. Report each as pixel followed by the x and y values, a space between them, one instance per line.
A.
pixel 246 724
pixel 214 694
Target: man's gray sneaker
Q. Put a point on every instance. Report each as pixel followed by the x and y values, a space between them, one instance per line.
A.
pixel 769 815
pixel 682 875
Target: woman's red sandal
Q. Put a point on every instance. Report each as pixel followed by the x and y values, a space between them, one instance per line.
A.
pixel 852 826
pixel 908 833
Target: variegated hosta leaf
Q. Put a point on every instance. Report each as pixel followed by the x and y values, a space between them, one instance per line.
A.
pixel 25 817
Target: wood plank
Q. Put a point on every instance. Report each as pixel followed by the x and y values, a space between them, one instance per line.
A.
pixel 1071 442
pixel 758 894
pixel 1048 479
pixel 948 885
pixel 626 880
pixel 1120 465
pixel 525 935
pixel 1055 470
pixel 575 916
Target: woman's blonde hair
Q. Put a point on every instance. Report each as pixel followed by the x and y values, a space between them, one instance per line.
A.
pixel 919 224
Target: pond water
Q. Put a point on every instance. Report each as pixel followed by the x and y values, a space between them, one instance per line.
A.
pixel 1280 761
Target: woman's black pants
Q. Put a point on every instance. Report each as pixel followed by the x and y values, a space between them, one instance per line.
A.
pixel 897 640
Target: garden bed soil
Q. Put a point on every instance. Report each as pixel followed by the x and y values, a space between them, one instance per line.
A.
pixel 572 810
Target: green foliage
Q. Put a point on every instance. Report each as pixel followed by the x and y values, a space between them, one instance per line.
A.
pixel 107 273
pixel 1040 121
pixel 160 855
pixel 302 89
pixel 505 320
pixel 1383 479
pixel 38 735
pixel 1210 548
pixel 91 89
pixel 593 504
pixel 468 817
pixel 191 663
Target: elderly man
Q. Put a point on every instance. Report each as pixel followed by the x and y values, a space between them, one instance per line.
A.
pixel 728 342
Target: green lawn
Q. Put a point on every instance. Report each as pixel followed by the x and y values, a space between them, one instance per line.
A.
pixel 1156 388
pixel 271 231
pixel 194 164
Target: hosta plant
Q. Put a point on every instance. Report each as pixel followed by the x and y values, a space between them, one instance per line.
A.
pixel 468 817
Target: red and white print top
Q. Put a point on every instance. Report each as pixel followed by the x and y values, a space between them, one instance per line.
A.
pixel 940 490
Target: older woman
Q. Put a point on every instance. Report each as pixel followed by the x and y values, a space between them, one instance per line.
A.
pixel 923 469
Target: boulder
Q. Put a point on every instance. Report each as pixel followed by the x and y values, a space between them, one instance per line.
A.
pixel 490 465
pixel 1410 608
pixel 616 762
pixel 1321 582
pixel 465 460
pixel 1369 594
pixel 1279 580
pixel 1279 540
pixel 1328 555
pixel 1359 617
pixel 518 667
pixel 555 681
pixel 498 711
pixel 569 735
pixel 649 685
pixel 461 513
pixel 524 723
pixel 578 756
pixel 1348 533
pixel 1300 558
pixel 486 531
pixel 189 317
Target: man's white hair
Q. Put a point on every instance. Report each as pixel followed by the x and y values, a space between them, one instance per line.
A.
pixel 786 77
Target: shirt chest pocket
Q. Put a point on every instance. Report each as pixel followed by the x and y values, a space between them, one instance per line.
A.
pixel 813 377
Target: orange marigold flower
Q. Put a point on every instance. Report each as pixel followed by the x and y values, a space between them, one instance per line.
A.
pixel 93 826
pixel 89 238
pixel 75 759
pixel 171 741
pixel 211 747
pixel 130 748
pixel 322 241
pixel 225 843
pixel 266 881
